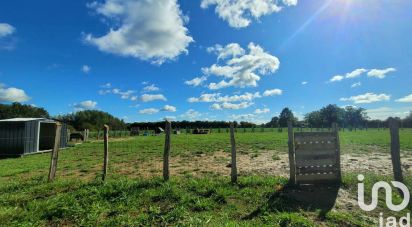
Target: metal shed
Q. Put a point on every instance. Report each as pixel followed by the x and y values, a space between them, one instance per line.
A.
pixel 21 136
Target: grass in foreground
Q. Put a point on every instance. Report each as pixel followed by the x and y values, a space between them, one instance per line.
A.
pixel 187 201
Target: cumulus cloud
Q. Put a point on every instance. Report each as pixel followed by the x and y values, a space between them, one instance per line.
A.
pixel 380 73
pixel 12 94
pixel 304 82
pixel 148 30
pixel 6 30
pixel 125 94
pixel 337 78
pixel 239 69
pixel 355 73
pixel 239 13
pixel 272 92
pixel 85 105
pixel 262 111
pixel 358 84
pixel 149 111
pixel 231 106
pixel 243 117
pixel 128 94
pixel 367 98
pixel 407 98
pixel 191 114
pixel 382 113
pixel 150 88
pixel 197 81
pixel 169 108
pixel 154 97
pixel 86 69
pixel 217 97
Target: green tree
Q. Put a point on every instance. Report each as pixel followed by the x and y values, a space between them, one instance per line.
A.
pixel 16 110
pixel 285 116
pixel 331 114
pixel 93 120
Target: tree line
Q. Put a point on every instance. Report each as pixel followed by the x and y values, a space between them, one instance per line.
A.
pixel 349 117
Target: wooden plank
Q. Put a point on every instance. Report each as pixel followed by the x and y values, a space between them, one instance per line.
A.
pixel 55 152
pixel 233 173
pixel 300 163
pixel 166 153
pixel 309 147
pixel 336 132
pixel 316 178
pixel 301 137
pixel 316 169
pixel 106 151
pixel 395 149
pixel 316 155
pixel 291 145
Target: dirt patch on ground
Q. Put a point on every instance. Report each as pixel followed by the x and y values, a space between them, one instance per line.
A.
pixel 262 163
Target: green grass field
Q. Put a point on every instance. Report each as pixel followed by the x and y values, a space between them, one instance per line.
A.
pixel 134 193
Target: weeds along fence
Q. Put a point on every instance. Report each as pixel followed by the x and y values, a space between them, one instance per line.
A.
pixel 110 155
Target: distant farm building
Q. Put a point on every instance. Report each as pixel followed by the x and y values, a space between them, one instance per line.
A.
pixel 21 136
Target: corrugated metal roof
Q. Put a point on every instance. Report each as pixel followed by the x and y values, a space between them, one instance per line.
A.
pixel 22 119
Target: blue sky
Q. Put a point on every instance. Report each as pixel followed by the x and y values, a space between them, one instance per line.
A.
pixel 144 60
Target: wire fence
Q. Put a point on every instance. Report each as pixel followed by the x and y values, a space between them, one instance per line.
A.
pixel 191 154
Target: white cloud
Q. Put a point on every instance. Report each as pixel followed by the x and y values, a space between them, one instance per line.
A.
pixel 12 94
pixel 380 73
pixel 86 69
pixel 169 108
pixel 382 113
pixel 149 111
pixel 191 114
pixel 151 88
pixel 243 117
pixel 215 106
pixel 85 105
pixel 150 98
pixel 239 13
pixel 304 82
pixel 231 50
pixel 355 73
pixel 6 30
pixel 367 98
pixel 149 30
pixel 231 106
pixel 242 70
pixel 197 81
pixel 337 78
pixel 272 92
pixel 358 84
pixel 407 98
pixel 107 85
pixel 217 97
pixel 123 94
pixel 262 111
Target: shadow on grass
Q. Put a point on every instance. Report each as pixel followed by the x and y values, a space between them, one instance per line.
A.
pixel 295 198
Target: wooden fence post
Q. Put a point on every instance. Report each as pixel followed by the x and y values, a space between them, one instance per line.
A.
pixel 395 149
pixel 106 151
pixel 55 152
pixel 291 144
pixel 166 153
pixel 233 172
pixel 336 131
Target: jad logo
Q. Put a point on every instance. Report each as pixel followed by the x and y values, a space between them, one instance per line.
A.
pixel 390 221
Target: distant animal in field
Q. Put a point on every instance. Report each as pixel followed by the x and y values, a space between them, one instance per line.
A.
pixel 76 136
